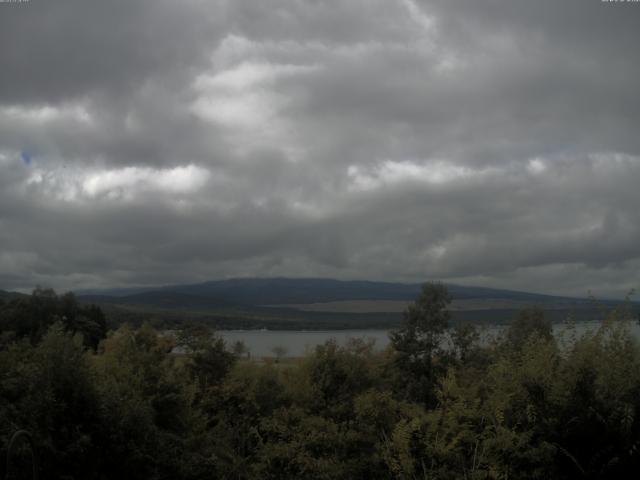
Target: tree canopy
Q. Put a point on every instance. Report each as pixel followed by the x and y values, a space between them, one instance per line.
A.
pixel 523 406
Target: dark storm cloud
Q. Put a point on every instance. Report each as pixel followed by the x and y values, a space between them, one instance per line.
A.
pixel 490 142
pixel 64 49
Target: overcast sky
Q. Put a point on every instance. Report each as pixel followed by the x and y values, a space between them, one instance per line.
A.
pixel 480 142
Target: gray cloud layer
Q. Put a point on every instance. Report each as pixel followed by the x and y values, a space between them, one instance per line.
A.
pixel 481 142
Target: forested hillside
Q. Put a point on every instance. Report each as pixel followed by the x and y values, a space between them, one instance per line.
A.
pixel 318 304
pixel 122 405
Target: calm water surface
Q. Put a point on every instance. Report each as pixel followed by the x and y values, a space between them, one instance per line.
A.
pixel 296 343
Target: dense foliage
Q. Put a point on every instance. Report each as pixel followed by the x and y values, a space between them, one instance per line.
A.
pixel 525 405
pixel 31 316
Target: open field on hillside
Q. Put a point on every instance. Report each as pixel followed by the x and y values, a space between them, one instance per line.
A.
pixel 397 306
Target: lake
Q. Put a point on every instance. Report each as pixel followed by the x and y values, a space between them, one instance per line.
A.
pixel 297 342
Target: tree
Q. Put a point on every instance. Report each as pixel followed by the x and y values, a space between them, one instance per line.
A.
pixel 146 406
pixel 240 348
pixel 530 321
pixel 418 340
pixel 336 375
pixel 464 337
pixel 30 317
pixel 279 351
pixel 209 359
pixel 48 390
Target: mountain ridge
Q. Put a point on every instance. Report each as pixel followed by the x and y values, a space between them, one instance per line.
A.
pixel 284 303
pixel 284 290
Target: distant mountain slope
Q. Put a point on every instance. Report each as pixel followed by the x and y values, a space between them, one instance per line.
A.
pixel 4 295
pixel 311 303
pixel 160 299
pixel 284 291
